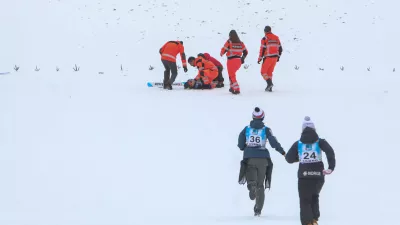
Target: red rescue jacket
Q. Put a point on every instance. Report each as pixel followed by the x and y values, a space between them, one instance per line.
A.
pixel 171 49
pixel 270 46
pixel 212 59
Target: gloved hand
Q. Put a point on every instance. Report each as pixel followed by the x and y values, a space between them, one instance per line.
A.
pixel 278 58
pixel 185 69
pixel 242 59
pixel 259 60
pixel 327 172
pixel 281 151
pixel 201 73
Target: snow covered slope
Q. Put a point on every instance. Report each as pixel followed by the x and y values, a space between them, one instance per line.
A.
pixel 90 148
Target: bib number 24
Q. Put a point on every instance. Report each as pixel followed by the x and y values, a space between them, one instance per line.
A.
pixel 307 155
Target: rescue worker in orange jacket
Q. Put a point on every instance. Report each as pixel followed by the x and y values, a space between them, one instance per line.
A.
pixel 270 53
pixel 236 53
pixel 168 53
pixel 208 72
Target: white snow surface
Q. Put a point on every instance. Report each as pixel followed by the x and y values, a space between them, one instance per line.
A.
pixel 83 148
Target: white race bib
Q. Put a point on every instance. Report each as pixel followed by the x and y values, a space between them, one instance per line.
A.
pixel 255 138
pixel 309 153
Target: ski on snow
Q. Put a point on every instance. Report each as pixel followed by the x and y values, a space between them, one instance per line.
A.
pixel 160 84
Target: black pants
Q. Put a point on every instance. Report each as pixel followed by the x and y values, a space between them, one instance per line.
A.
pixel 170 67
pixel 220 78
pixel 309 199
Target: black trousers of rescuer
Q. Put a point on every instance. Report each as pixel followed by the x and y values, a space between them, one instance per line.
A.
pixel 170 67
pixel 309 190
pixel 220 78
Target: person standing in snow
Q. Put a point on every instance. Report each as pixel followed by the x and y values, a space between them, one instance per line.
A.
pixel 270 53
pixel 236 53
pixel 220 79
pixel 256 166
pixel 168 53
pixel 311 172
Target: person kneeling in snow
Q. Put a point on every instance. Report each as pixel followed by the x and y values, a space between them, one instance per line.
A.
pixel 220 78
pixel 208 72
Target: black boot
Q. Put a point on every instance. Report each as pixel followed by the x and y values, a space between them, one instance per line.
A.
pixel 220 85
pixel 257 212
pixel 269 85
pixel 235 92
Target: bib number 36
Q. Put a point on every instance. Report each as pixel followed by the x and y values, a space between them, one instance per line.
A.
pixel 255 139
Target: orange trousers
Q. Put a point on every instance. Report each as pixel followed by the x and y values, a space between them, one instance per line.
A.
pixel 233 66
pixel 268 66
pixel 209 76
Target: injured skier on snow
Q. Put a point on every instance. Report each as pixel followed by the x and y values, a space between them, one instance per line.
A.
pixel 199 84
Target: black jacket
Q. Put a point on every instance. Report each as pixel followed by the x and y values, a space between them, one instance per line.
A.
pixel 311 170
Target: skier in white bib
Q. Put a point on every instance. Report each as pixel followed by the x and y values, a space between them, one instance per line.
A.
pixel 256 166
pixel 311 174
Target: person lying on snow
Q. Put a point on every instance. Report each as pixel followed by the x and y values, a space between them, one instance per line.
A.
pixel 208 72
pixel 199 84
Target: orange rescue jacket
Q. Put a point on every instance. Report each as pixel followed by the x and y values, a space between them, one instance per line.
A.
pixel 270 46
pixel 202 64
pixel 233 50
pixel 171 49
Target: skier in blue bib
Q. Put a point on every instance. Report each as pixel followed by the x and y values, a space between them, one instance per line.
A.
pixel 256 166
pixel 311 174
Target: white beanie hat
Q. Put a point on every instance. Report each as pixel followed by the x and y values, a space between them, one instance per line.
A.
pixel 258 113
pixel 308 123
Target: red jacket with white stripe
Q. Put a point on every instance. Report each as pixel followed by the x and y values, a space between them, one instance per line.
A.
pixel 270 46
pixel 171 49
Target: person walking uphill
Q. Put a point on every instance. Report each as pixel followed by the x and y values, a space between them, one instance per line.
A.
pixel 256 166
pixel 236 53
pixel 168 53
pixel 270 53
pixel 311 173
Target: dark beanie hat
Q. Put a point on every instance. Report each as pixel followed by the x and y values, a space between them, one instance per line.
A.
pixel 267 29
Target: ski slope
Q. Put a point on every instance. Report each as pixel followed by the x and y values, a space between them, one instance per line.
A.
pixel 98 147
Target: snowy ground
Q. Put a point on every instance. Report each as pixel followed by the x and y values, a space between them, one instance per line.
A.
pixel 85 148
